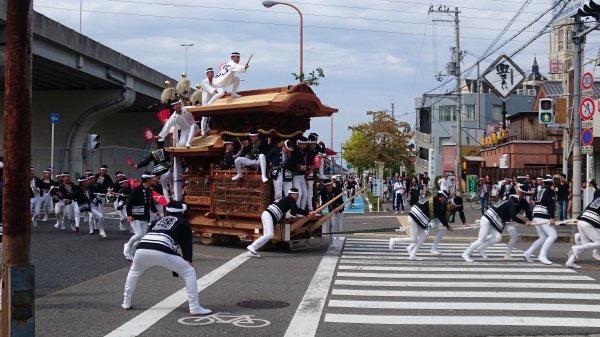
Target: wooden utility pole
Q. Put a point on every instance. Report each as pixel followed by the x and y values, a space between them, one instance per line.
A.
pixel 17 272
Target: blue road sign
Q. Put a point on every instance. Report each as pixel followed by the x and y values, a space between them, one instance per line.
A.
pixel 348 166
pixel 331 169
pixel 587 137
pixel 53 118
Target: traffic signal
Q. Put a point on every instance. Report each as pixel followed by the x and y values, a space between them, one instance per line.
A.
pixel 546 109
pixel 93 142
pixel 592 9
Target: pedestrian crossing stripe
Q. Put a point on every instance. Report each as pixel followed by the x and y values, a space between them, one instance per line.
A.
pixel 468 276
pixel 528 285
pixel 435 260
pixel 467 294
pixel 464 306
pixel 459 269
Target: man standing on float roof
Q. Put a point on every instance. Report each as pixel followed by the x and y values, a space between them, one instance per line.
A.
pixel 208 92
pixel 226 77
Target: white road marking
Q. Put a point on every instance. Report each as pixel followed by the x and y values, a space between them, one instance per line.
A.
pixel 146 319
pixel 306 319
pixel 527 285
pixel 443 260
pixel 465 294
pixel 469 276
pixel 425 251
pixel 457 253
pixel 465 320
pixel 459 269
pixel 387 241
pixel 465 306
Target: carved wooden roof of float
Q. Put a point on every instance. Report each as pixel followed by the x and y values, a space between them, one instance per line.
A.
pixel 297 100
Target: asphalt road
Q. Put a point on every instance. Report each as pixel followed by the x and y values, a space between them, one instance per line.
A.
pixel 360 289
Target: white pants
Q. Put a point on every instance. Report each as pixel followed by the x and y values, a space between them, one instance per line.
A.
pixel 281 187
pixel 221 91
pixel 417 237
pixel 98 213
pixel 147 258
pixel 177 182
pixel 262 161
pixel 268 231
pixel 187 135
pixel 73 209
pixel 159 208
pixel 438 238
pixel 122 217
pixel 47 200
pixel 35 205
pixel 165 178
pixel 58 207
pixel 547 235
pixel 140 228
pixel 309 194
pixel 514 235
pixel 335 225
pixel 482 241
pixel 589 235
pixel 204 125
pixel 300 184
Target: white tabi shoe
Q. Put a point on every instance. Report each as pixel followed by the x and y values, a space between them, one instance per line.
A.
pixel 467 257
pixel 482 252
pixel 572 265
pixel 235 95
pixel 596 256
pixel 527 257
pixel 34 221
pixel 45 218
pixel 57 224
pixel 238 177
pixel 576 250
pixel 543 259
pixel 435 252
pixel 126 252
pixel 265 179
pixel 252 255
pixel 203 311
pixel 507 257
pixel 188 145
pixel 251 252
pixel 415 258
pixel 392 243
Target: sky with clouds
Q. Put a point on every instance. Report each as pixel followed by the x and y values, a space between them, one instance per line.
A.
pixel 371 51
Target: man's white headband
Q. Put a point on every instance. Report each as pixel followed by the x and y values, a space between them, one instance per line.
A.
pixel 227 142
pixel 209 70
pixel 148 176
pixel 329 183
pixel 293 192
pixel 287 146
pixel 253 134
pixel 177 210
pixel 455 205
pixel 514 196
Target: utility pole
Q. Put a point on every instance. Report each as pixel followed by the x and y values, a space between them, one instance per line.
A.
pixel 446 10
pixel 18 291
pixel 477 107
pixel 392 106
pixel 578 38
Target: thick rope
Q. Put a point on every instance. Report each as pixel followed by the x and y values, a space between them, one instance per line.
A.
pixel 264 132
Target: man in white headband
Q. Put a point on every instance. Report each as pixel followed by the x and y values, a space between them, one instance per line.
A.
pixel 159 248
pixel 272 215
pixel 282 166
pixel 493 222
pixel 208 92
pixel 37 187
pixel 58 203
pixel 328 193
pixel 253 155
pixel 161 166
pixel 226 77
pixel 419 218
pixel 302 166
pixel 543 211
pixel 139 206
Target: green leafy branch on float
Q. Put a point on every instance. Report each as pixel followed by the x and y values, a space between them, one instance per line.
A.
pixel 313 77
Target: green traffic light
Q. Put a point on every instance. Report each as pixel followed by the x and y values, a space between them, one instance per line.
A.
pixel 545 117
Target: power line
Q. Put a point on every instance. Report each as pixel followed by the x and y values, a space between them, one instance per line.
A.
pixel 250 22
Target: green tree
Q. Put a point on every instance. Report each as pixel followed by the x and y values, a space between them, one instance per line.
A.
pixel 382 139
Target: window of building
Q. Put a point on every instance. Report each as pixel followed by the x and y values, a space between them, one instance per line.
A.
pixel 447 113
pixel 468 112
pixel 444 141
pixel 497 112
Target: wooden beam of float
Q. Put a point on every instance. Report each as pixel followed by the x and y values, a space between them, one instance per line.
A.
pixel 302 221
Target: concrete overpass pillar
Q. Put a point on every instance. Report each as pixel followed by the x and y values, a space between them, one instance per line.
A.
pixel 78 135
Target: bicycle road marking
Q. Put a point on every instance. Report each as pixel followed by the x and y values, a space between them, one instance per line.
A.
pixel 146 319
pixel 242 321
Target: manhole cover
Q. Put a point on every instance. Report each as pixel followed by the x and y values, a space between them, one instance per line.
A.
pixel 258 304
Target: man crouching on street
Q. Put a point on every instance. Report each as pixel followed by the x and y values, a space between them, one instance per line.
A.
pixel 159 248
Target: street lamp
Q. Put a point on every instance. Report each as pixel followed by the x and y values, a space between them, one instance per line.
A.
pixel 186 45
pixel 269 4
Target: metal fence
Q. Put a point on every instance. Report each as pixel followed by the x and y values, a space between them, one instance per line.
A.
pixel 115 157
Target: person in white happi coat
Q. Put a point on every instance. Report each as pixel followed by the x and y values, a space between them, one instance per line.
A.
pixel 209 90
pixel 226 77
pixel 184 121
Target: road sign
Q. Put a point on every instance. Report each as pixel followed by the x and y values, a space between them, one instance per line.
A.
pixel 53 118
pixel 378 186
pixel 565 9
pixel 587 93
pixel 587 137
pixel 331 169
pixel 587 80
pixel 348 166
pixel 472 185
pixel 587 150
pixel 503 77
pixel 587 124
pixel 587 108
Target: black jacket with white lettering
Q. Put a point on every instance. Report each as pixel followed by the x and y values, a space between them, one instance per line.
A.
pixel 140 203
pixel 591 214
pixel 160 159
pixel 502 212
pixel 262 148
pixel 279 207
pixel 422 213
pixel 544 203
pixel 166 234
pixel 326 197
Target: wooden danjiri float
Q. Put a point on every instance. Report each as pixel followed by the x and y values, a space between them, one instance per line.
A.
pixel 222 209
